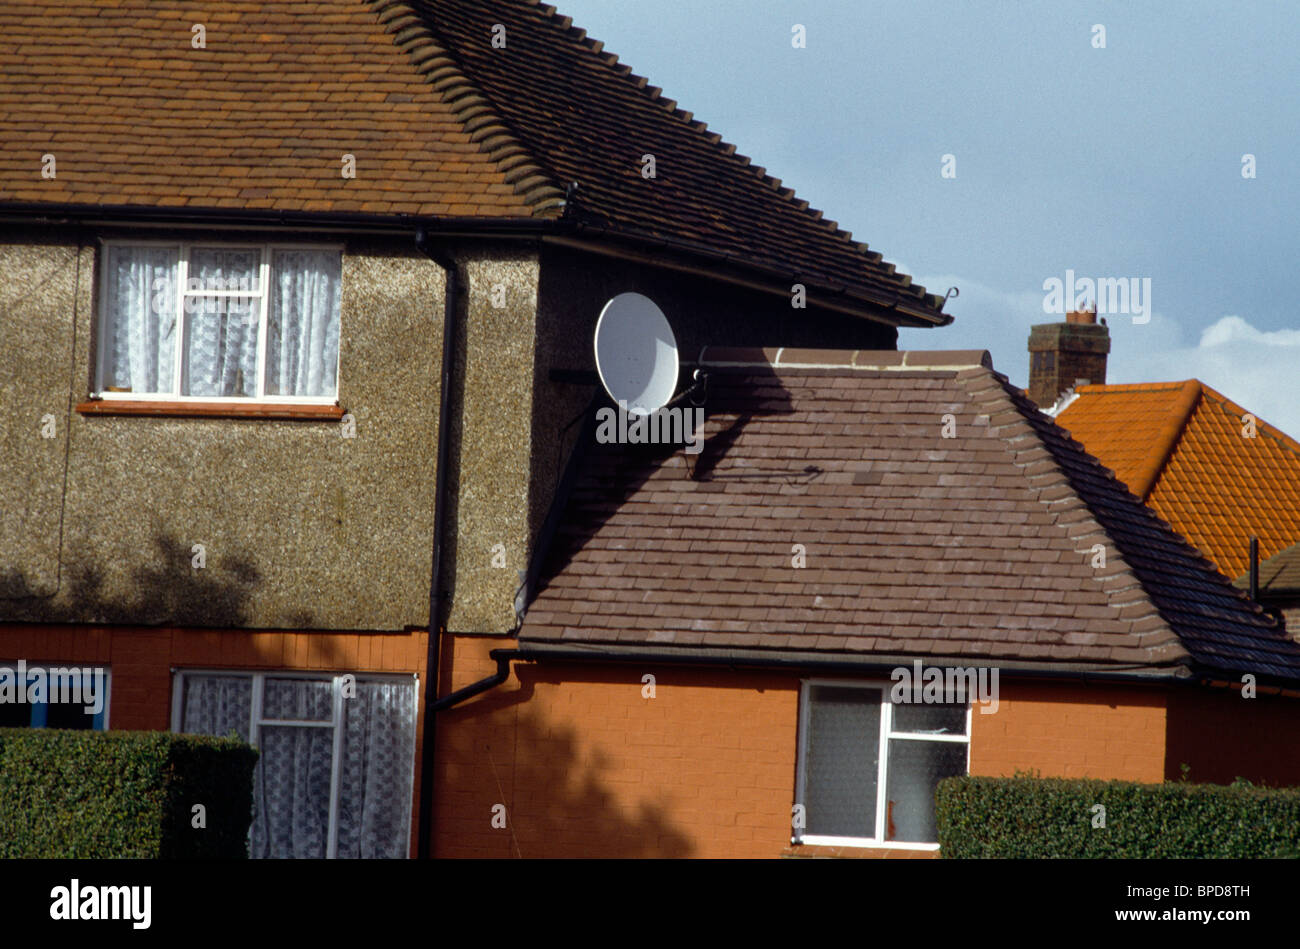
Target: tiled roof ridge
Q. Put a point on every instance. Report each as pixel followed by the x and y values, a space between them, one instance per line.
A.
pixel 1017 422
pixel 1162 448
pixel 655 93
pixel 436 63
pixel 791 357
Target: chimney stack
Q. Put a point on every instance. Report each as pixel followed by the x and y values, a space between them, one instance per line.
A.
pixel 1063 354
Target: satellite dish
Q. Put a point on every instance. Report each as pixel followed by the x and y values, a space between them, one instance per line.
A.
pixel 636 353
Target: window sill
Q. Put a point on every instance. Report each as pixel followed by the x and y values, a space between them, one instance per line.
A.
pixel 268 410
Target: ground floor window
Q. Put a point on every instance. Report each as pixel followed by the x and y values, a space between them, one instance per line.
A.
pixel 334 777
pixel 868 767
pixel 53 695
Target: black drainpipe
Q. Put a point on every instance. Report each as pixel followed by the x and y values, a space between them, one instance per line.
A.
pixel 1254 568
pixel 452 269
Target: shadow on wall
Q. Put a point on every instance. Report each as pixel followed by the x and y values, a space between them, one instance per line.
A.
pixel 560 800
pixel 168 591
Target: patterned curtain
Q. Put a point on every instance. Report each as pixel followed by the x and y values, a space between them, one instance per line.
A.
pixel 140 341
pixel 292 781
pixel 375 778
pixel 221 332
pixel 302 352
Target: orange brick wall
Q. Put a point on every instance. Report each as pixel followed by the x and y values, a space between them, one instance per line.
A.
pixel 1067 730
pixel 587 767
pixel 140 660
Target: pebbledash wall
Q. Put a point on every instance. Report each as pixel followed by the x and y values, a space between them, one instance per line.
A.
pixel 588 767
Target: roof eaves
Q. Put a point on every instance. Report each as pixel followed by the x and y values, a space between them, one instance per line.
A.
pixel 923 310
pixel 433 59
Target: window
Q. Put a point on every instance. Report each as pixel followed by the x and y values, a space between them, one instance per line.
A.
pixel 334 778
pixel 53 696
pixel 219 322
pixel 868 767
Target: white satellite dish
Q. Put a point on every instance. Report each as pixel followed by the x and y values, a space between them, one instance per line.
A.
pixel 636 353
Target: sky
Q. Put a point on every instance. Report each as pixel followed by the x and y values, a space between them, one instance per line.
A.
pixel 1122 161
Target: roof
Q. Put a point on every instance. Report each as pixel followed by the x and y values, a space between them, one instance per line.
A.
pixel 441 124
pixel 1180 447
pixel 1279 575
pixel 977 547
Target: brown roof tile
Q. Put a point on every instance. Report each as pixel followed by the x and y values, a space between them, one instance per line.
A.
pixel 939 557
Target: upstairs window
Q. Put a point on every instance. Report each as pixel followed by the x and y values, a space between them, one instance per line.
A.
pixel 219 322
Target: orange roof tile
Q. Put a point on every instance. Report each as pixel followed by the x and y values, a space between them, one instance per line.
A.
pixel 441 120
pixel 1180 447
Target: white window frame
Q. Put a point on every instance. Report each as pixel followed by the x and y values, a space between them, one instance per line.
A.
pixel 73 664
pixel 882 775
pixel 256 721
pixel 183 250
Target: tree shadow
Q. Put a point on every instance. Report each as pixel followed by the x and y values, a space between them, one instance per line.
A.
pixel 560 799
pixel 167 590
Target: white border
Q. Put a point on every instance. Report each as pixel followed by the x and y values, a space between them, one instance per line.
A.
pixel 882 775
pixel 183 249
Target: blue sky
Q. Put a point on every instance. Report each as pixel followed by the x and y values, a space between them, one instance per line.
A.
pixel 1117 162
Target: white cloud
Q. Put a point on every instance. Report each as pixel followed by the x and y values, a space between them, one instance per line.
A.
pixel 1257 369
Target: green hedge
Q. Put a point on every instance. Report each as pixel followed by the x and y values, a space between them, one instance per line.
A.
pixel 1036 817
pixel 95 795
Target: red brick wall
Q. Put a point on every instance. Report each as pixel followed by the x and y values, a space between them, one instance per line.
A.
pixel 1221 735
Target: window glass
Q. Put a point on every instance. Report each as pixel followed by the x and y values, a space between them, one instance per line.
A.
pixel 139 328
pixel 302 328
pixel 935 719
pixel 297 770
pixel 298 700
pixel 915 769
pixel 843 761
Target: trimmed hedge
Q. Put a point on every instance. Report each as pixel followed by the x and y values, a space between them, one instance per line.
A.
pixel 1036 817
pixel 97 795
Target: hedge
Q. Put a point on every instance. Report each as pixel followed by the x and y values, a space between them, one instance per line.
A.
pixel 1027 816
pixel 95 795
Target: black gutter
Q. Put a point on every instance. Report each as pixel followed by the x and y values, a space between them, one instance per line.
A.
pixel 1193 674
pixel 243 217
pixel 1254 569
pixel 915 313
pixel 452 270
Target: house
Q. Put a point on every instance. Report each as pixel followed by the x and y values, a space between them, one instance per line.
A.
pixel 297 313
pixel 709 666
pixel 1217 473
pixel 297 347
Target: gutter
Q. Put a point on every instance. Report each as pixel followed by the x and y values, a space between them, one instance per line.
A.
pixel 453 282
pixel 26 212
pixel 791 660
pixel 559 231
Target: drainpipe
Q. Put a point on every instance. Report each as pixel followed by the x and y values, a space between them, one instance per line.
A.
pixel 452 269
pixel 1254 569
